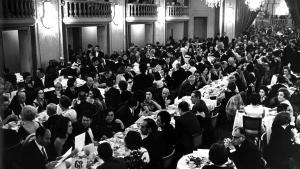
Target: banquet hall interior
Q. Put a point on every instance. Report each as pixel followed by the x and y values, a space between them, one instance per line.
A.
pixel 150 84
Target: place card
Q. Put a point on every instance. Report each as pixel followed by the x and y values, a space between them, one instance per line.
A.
pixel 79 141
pixel 79 163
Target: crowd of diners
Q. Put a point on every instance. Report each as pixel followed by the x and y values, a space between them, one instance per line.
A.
pixel 142 80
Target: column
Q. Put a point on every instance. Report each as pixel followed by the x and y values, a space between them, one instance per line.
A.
pixel 102 39
pixel 25 51
pixel 229 18
pixel 160 24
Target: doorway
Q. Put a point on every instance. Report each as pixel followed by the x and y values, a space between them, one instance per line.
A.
pixel 200 27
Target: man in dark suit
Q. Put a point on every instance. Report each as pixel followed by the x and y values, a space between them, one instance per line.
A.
pixel 185 126
pixel 127 113
pixel 167 130
pixel 142 81
pixel 88 85
pixel 39 81
pixel 154 143
pixel 53 117
pixel 105 153
pixel 33 155
pixel 112 96
pixel 84 126
pixel 178 76
pixel 243 151
pixel 187 87
pixel 18 102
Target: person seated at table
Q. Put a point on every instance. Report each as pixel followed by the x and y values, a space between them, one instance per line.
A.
pixel 40 79
pixel 105 152
pixel 40 102
pixel 242 151
pixel 167 130
pixel 281 82
pixel 127 113
pixel 138 157
pixel 66 111
pixel 200 110
pixel 29 87
pixel 83 125
pixel 72 90
pixel 186 87
pixel 205 76
pixel 289 77
pixel 254 109
pixel 110 126
pixel 28 125
pixel 283 97
pixel 125 94
pixel 54 96
pixel 231 91
pixel 219 157
pixel 6 114
pixel 61 140
pixel 80 104
pixel 281 145
pixel 51 110
pixel 112 95
pixel 153 142
pixel 185 126
pixel 264 98
pixel 95 97
pixel 18 102
pixel 33 155
pixel 88 85
pixel 149 104
pixel 164 99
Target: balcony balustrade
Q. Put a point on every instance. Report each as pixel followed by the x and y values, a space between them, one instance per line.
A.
pixel 85 12
pixel 17 12
pixel 174 13
pixel 141 12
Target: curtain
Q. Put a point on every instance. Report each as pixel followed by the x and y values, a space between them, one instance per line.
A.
pixel 294 7
pixel 244 17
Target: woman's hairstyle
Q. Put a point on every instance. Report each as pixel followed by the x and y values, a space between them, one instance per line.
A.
pixel 65 101
pixel 61 127
pixel 286 93
pixel 286 67
pixel 107 111
pixel 71 82
pixel 28 113
pixel 255 99
pixel 37 91
pixel 133 140
pixel 218 154
pixel 105 151
pixel 123 85
pixel 265 89
pixel 282 118
pixel 97 94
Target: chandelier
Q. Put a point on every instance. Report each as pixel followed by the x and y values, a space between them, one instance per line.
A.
pixel 254 5
pixel 213 3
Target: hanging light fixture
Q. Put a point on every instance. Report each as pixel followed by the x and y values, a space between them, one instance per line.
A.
pixel 254 5
pixel 213 3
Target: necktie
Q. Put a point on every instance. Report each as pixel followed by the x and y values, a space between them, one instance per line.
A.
pixel 44 153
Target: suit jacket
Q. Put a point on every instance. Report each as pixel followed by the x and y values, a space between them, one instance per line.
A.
pixel 112 98
pixel 78 128
pixel 38 83
pixel 31 157
pixel 169 136
pixel 85 88
pixel 247 156
pixel 155 146
pixel 126 116
pixel 185 89
pixel 142 82
pixel 113 163
pixel 185 126
pixel 15 106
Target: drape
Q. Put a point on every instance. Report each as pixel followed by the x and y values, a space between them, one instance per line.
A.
pixel 244 17
pixel 294 8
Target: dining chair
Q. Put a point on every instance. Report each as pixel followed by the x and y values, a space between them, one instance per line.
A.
pixel 197 139
pixel 252 126
pixel 168 160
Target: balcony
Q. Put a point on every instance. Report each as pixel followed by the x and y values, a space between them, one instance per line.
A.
pixel 141 12
pixel 17 13
pixel 86 12
pixel 177 13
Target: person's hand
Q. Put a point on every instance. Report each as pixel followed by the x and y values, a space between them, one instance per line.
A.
pixel 51 165
pixel 228 144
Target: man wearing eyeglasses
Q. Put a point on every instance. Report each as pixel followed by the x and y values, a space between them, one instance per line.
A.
pixel 243 151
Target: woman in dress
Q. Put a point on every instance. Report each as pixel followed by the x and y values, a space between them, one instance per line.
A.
pixel 263 93
pixel 283 97
pixel 40 102
pixel 111 125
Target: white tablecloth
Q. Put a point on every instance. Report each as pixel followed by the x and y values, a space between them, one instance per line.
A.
pixel 182 163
